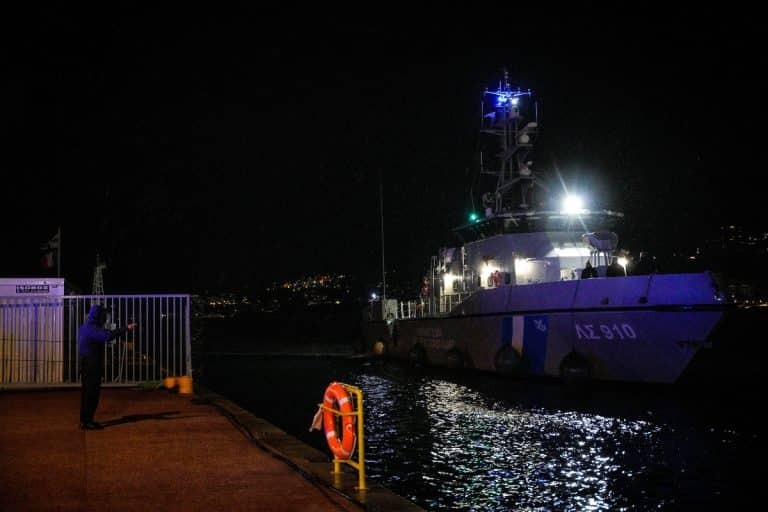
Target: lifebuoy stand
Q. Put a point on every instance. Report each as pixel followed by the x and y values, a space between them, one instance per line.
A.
pixel 345 401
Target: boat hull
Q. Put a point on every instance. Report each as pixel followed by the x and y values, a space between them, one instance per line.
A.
pixel 622 329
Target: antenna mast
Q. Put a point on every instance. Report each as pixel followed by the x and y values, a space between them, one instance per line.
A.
pixel 515 143
pixel 383 269
pixel 98 278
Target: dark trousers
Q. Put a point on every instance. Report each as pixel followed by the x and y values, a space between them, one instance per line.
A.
pixel 91 371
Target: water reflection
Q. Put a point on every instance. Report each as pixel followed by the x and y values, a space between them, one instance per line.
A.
pixel 469 452
pixel 486 443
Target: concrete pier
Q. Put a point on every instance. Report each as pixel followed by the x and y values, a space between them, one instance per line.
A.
pixel 163 451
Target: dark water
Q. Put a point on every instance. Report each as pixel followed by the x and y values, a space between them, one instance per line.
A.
pixel 474 441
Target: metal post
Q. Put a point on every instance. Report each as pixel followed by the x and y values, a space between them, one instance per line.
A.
pixel 188 342
pixel 361 443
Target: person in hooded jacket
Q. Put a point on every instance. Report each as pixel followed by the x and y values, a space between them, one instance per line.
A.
pixel 589 271
pixel 91 339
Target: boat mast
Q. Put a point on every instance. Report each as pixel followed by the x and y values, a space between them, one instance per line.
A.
pixel 515 143
pixel 383 268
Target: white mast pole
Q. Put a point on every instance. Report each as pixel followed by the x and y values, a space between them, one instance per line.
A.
pixel 58 256
pixel 383 271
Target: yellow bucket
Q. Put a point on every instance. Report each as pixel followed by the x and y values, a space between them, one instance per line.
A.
pixel 185 385
pixel 169 382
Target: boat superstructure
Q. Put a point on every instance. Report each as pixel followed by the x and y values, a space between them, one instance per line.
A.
pixel 513 294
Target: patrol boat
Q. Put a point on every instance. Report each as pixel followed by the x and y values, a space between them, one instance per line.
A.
pixel 512 295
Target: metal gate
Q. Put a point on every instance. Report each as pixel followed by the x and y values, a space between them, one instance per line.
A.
pixel 38 338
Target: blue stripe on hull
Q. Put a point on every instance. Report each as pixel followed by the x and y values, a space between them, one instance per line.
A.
pixel 535 343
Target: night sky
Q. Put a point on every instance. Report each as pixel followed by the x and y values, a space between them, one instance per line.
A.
pixel 228 149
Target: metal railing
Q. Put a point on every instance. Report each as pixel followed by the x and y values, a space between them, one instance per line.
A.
pixel 432 307
pixel 38 338
pixel 31 337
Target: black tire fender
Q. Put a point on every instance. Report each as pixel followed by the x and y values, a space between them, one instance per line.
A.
pixel 575 368
pixel 455 358
pixel 507 360
pixel 417 355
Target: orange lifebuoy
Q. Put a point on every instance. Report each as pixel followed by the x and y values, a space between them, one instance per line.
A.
pixel 342 448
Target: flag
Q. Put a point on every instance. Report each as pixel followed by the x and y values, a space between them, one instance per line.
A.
pixel 47 260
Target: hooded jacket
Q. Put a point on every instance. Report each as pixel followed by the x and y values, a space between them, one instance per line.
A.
pixel 91 336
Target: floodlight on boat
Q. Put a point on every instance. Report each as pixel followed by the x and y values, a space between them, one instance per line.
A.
pixel 623 261
pixel 572 205
pixel 448 280
pixel 522 267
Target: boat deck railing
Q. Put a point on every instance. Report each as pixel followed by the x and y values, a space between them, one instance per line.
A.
pixel 431 307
